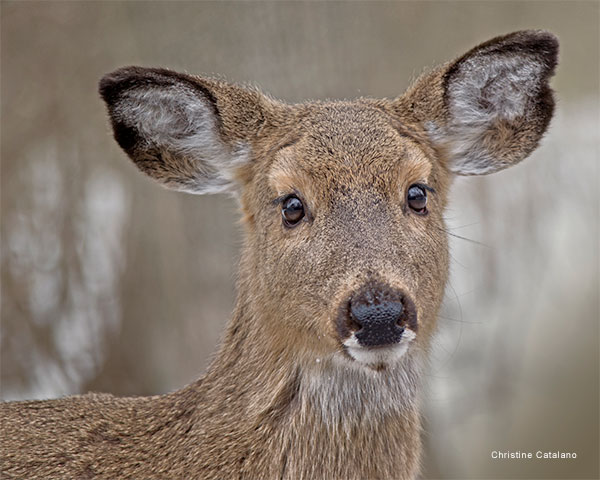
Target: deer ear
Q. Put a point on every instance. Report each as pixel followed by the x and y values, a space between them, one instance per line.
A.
pixel 188 133
pixel 488 109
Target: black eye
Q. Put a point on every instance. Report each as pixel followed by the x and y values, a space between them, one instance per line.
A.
pixel 417 199
pixel 292 211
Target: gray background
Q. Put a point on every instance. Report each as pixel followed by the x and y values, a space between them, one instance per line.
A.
pixel 110 283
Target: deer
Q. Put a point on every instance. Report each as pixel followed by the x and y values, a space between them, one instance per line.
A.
pixel 341 277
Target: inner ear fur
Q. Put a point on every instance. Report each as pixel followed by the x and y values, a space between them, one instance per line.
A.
pixel 488 109
pixel 188 133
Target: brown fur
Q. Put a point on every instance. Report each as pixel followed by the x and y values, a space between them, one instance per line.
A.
pixel 283 399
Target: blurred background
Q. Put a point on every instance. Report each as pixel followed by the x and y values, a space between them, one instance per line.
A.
pixel 110 283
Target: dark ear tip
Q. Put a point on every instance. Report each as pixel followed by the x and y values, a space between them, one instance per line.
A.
pixel 113 83
pixel 543 41
pixel 537 42
pixel 531 37
pixel 536 35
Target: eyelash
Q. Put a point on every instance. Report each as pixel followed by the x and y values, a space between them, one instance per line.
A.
pixel 424 187
pixel 282 198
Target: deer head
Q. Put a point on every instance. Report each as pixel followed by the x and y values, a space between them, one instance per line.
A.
pixel 346 255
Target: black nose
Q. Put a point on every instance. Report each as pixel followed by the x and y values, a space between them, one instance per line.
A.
pixel 379 316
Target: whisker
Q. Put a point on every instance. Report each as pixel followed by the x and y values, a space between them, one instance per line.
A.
pixel 459 320
pixel 463 238
pixel 464 226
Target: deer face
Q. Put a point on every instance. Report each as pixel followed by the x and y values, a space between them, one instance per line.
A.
pixel 349 236
pixel 345 254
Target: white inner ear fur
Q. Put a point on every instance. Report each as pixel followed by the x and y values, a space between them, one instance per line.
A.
pixel 181 122
pixel 486 89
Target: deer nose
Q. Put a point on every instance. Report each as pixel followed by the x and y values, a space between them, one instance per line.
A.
pixel 379 316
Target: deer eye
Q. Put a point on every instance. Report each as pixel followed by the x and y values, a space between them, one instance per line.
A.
pixel 292 211
pixel 417 199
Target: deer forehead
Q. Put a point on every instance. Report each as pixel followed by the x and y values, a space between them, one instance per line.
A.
pixel 348 147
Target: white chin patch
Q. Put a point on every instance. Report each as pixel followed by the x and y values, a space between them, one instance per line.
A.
pixel 379 355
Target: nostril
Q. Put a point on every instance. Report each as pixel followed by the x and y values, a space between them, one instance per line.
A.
pixel 369 314
pixel 353 323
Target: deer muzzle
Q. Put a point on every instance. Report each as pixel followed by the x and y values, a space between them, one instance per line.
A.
pixel 377 323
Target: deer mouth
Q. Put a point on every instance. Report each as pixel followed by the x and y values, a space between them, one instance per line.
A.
pixel 380 355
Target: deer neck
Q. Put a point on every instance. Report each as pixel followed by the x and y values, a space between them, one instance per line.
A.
pixel 325 418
